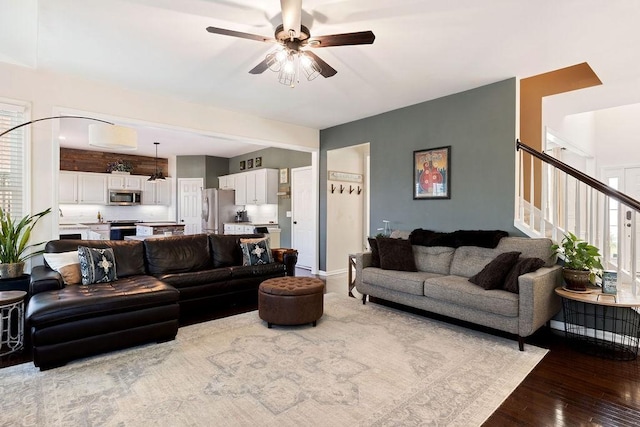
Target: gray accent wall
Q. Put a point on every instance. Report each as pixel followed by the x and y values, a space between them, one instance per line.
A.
pixel 206 167
pixel 480 127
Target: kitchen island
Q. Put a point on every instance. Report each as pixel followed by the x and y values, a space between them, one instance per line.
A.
pixel 155 228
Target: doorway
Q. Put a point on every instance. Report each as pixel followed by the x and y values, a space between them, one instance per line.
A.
pixel 347 205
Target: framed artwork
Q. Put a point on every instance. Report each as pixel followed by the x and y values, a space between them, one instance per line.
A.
pixel 242 165
pixel 258 162
pixel 432 173
pixel 284 175
pixel 250 164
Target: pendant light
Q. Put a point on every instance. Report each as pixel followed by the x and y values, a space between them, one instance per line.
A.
pixel 157 176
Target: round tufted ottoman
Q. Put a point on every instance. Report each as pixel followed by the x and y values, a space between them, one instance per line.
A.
pixel 291 300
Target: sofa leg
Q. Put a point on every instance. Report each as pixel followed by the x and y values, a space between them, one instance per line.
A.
pixel 520 343
pixel 268 325
pixel 364 299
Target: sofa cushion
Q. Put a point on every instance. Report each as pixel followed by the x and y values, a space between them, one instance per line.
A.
pixel 129 254
pixel 195 278
pixel 225 248
pixel 396 254
pixel 401 281
pixel 469 260
pixel 375 253
pixel 434 259
pixel 522 266
pixel 459 291
pixel 67 264
pixel 80 302
pixel 178 254
pixel 493 274
pixel 97 265
pixel 529 248
pixel 256 251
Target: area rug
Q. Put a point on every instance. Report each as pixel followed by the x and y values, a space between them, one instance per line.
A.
pixel 365 365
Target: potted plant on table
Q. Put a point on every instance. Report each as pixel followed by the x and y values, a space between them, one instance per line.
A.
pixel 581 262
pixel 14 239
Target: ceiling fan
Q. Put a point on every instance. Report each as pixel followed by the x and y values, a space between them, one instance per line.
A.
pixel 292 57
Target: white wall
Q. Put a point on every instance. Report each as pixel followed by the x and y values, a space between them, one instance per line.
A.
pixel 345 212
pixel 617 131
pixel 48 92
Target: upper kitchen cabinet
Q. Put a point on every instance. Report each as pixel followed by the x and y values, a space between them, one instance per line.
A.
pixel 125 182
pixel 227 182
pixel 68 191
pixel 257 187
pixel 83 188
pixel 156 192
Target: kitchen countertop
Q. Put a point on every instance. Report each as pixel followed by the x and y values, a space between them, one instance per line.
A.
pixel 257 224
pixel 153 236
pixel 160 224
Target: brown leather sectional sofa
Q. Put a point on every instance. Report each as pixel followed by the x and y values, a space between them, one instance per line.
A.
pixel 159 281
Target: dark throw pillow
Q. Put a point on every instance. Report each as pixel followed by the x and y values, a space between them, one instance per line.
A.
pixel 396 254
pixel 523 266
pixel 375 254
pixel 493 274
pixel 255 251
pixel 97 265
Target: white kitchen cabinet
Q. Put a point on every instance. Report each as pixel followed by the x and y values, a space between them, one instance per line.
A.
pixel 227 182
pixel 83 188
pixel 257 187
pixel 68 187
pixel 157 192
pixel 92 188
pixel 125 182
pixel 241 189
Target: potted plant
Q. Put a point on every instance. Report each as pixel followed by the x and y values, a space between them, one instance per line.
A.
pixel 581 262
pixel 120 166
pixel 14 239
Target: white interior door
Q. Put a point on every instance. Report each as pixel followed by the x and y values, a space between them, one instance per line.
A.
pixel 632 188
pixel 190 204
pixel 302 216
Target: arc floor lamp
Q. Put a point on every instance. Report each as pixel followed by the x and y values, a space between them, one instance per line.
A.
pixel 104 134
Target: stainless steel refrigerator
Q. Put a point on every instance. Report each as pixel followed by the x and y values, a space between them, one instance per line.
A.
pixel 218 207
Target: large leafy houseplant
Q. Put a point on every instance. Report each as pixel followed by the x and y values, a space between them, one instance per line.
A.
pixel 15 235
pixel 579 256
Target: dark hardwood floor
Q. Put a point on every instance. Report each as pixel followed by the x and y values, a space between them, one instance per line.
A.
pixel 567 388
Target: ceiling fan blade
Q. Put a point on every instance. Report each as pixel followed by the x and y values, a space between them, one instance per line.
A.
pixel 361 37
pixel 260 68
pixel 239 34
pixel 327 70
pixel 291 15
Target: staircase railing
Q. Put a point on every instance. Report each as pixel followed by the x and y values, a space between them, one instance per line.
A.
pixel 560 199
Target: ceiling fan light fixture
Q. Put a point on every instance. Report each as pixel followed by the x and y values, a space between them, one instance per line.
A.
pixel 309 66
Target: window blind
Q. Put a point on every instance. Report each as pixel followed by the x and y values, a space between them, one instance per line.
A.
pixel 12 160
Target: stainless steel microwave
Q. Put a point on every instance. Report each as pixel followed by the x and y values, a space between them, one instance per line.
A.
pixel 125 197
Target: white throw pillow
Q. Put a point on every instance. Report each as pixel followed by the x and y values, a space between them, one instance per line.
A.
pixel 67 264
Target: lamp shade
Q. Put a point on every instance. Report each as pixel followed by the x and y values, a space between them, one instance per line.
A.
pixel 112 136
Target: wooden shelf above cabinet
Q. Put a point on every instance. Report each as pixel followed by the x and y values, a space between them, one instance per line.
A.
pixel 75 160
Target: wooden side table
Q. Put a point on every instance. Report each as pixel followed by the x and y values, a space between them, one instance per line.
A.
pixel 601 324
pixel 11 321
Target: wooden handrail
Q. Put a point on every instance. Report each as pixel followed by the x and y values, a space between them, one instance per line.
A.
pixel 580 176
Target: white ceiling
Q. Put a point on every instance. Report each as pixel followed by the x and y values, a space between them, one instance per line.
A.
pixel 424 49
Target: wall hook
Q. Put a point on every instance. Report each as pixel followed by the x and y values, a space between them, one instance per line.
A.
pixel 341 189
pixel 359 190
pixel 351 189
pixel 333 188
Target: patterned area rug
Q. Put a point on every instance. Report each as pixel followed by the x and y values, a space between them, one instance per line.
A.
pixel 362 365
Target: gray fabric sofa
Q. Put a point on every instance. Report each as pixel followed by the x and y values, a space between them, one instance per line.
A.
pixel 441 285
